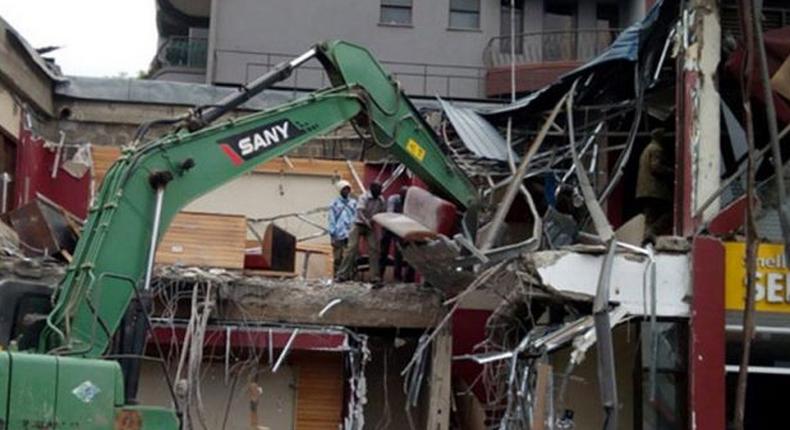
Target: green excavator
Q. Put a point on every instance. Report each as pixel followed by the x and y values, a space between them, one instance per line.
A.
pixel 55 372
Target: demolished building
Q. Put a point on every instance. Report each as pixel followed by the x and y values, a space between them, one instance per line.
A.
pixel 562 310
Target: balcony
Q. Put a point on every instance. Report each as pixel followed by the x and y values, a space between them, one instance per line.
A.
pixel 181 58
pixel 541 57
pixel 235 67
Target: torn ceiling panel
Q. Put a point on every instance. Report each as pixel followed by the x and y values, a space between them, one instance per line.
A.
pixel 609 71
pixel 477 134
pixel 569 273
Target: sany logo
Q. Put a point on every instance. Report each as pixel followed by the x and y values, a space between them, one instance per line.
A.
pixel 246 145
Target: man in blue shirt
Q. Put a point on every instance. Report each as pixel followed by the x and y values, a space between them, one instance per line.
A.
pixel 342 212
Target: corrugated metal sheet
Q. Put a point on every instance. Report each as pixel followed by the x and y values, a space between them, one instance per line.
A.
pixel 477 134
pixel 623 53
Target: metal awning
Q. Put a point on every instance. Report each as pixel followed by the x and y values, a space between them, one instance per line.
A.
pixel 477 134
pixel 618 60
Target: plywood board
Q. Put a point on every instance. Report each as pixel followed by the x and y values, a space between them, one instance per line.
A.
pixel 103 157
pixel 319 393
pixel 320 262
pixel 202 239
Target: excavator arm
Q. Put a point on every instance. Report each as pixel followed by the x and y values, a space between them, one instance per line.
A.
pixel 67 384
pixel 150 184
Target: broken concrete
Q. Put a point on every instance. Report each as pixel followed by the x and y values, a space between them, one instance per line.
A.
pixel 568 273
pixel 297 301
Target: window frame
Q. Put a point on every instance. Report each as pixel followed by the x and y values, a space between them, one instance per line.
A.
pixel 391 5
pixel 478 12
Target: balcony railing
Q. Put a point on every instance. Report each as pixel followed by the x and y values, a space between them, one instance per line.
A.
pixel 547 46
pixel 233 66
pixel 183 51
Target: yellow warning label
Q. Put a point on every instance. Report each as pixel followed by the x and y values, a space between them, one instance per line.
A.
pixel 416 151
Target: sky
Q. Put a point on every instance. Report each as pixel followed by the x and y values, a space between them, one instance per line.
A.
pixel 103 38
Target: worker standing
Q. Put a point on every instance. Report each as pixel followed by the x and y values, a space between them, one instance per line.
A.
pixel 342 212
pixel 371 203
pixel 654 185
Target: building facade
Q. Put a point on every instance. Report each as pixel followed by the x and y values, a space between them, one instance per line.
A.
pixel 450 48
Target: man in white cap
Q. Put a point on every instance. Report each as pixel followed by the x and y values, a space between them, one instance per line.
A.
pixel 342 212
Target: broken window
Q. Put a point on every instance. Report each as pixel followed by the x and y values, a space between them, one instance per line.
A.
pixel 465 14
pixel 396 12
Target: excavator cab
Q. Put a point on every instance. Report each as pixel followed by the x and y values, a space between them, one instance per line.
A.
pixel 24 307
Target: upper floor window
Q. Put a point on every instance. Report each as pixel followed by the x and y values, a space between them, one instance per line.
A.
pixel 465 14
pixel 396 12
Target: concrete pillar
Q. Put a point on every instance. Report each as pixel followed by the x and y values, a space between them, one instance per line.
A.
pixel 697 121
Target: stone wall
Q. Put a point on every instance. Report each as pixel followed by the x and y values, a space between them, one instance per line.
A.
pixel 115 124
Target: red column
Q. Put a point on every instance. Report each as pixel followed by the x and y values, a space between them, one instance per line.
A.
pixel 706 336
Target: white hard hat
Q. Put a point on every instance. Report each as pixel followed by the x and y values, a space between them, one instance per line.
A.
pixel 342 184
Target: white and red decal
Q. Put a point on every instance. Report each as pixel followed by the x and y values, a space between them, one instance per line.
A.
pixel 249 144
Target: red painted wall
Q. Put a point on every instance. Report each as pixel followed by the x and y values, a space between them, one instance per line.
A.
pixel 468 331
pixel 529 77
pixel 34 175
pixel 707 344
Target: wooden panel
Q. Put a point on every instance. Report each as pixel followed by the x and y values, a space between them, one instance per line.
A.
pixel 104 156
pixel 319 394
pixel 201 239
pixel 317 248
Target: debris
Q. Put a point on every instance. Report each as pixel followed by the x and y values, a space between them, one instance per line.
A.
pixel 672 244
pixel 8 237
pixel 43 228
pixel 284 352
pixel 329 306
pixel 80 163
pixel 469 412
pixel 632 232
pixel 514 185
pixel 58 153
pixel 603 332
